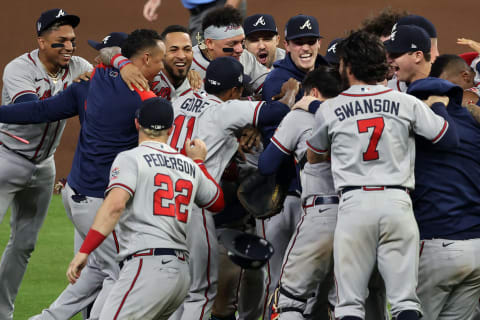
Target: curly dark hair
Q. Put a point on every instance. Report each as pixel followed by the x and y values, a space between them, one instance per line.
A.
pixel 365 54
pixel 138 40
pixel 222 17
pixel 448 62
pixel 325 79
pixel 382 24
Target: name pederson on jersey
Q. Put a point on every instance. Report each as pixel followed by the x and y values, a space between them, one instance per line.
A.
pixel 27 75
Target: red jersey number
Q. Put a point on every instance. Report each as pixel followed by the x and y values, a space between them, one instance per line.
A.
pixel 377 124
pixel 171 202
pixel 178 124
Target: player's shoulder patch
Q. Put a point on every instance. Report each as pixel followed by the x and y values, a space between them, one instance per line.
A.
pixel 114 173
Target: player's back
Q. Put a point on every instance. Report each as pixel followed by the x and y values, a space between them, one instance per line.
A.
pixel 206 117
pixel 165 185
pixel 372 133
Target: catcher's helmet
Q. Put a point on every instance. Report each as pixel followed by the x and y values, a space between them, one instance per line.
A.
pixel 247 250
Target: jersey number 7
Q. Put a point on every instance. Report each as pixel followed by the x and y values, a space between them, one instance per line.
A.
pixel 167 194
pixel 378 125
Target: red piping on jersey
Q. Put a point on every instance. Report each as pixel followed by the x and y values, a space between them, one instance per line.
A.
pixel 293 244
pixel 53 140
pixel 398 85
pixel 280 146
pixel 31 59
pixel 215 100
pixel 269 281
pixel 315 149
pixel 255 114
pixel 41 141
pixel 198 64
pixel 440 135
pixel 65 74
pixel 218 202
pixel 123 186
pixel 21 93
pixel 365 94
pixel 115 239
pixel 259 88
pixel 197 95
pixel 208 265
pixel 130 289
pixel 161 150
pixel 421 248
pixel 185 92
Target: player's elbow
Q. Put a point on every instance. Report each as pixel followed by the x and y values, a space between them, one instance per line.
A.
pixel 219 203
pixel 313 157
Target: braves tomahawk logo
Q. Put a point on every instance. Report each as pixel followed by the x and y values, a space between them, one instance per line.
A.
pixel 261 21
pixel 394 32
pixel 307 25
pixel 60 13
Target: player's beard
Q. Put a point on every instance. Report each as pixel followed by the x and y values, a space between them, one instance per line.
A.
pixel 177 79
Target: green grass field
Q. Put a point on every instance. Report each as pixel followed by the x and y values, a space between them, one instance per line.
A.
pixel 45 278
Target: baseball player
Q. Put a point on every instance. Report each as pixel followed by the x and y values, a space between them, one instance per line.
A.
pixel 198 10
pixel 150 195
pixel 368 131
pixel 261 39
pixel 303 43
pixel 172 82
pixel 215 117
pixel 28 170
pixel 446 202
pixel 224 36
pixel 395 83
pixel 308 259
pixel 83 192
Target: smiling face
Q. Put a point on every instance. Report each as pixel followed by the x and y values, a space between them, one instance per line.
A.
pixel 303 52
pixel 178 57
pixel 263 45
pixel 153 60
pixel 233 45
pixel 57 57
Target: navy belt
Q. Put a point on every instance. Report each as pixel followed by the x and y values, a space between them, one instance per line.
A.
pixel 373 188
pixel 153 252
pixel 319 200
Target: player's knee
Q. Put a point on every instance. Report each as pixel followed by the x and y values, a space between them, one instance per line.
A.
pixel 24 246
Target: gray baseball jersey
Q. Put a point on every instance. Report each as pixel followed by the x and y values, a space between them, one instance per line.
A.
pixel 370 128
pixel 204 116
pixel 251 67
pixel 279 54
pixel 397 85
pixel 163 184
pixel 162 87
pixel 291 138
pixel 27 75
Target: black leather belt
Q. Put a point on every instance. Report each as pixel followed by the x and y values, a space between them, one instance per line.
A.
pixel 373 188
pixel 202 7
pixel 318 200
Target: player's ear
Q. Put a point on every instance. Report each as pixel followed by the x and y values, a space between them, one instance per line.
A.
pixel 315 93
pixel 41 43
pixel 285 45
pixel 209 43
pixel 137 125
pixel 170 130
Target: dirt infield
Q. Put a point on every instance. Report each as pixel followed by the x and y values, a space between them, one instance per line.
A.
pixel 17 28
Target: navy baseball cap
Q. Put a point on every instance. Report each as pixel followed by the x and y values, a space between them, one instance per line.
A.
pixel 155 113
pixel 302 26
pixel 408 38
pixel 331 55
pixel 225 73
pixel 259 22
pixel 114 39
pixel 419 21
pixel 51 16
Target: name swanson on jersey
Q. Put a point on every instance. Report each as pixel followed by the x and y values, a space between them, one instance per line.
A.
pixel 356 107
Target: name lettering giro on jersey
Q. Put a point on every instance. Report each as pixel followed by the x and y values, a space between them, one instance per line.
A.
pixel 366 106
pixel 159 160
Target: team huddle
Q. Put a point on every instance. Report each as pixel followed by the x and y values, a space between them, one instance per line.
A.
pixel 376 144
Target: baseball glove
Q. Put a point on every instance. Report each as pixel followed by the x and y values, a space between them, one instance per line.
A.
pixel 262 196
